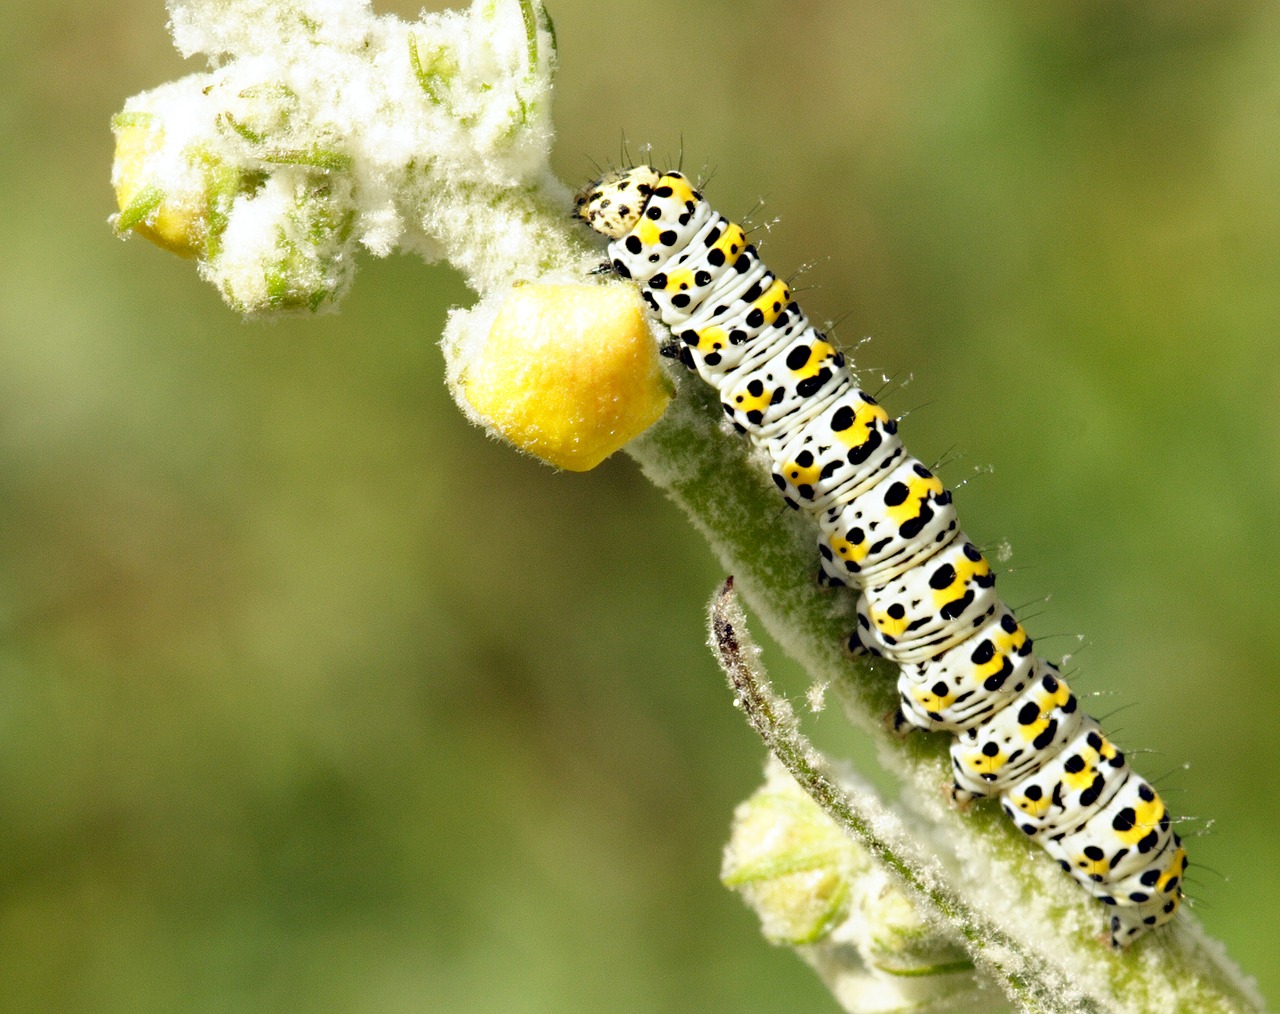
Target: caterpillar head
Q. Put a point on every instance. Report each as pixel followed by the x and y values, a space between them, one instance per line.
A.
pixel 613 204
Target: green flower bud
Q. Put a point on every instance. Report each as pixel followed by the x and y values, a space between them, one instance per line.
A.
pixel 817 890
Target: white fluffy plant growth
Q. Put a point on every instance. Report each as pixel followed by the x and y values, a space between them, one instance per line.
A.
pixel 321 129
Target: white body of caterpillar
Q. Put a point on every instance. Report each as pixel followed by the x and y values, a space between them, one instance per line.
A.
pixel 887 527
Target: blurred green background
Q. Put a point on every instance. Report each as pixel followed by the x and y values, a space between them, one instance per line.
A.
pixel 313 698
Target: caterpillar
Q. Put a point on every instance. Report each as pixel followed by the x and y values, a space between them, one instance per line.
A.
pixel 888 529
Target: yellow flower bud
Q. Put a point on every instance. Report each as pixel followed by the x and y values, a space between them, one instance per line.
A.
pixel 175 222
pixel 568 373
